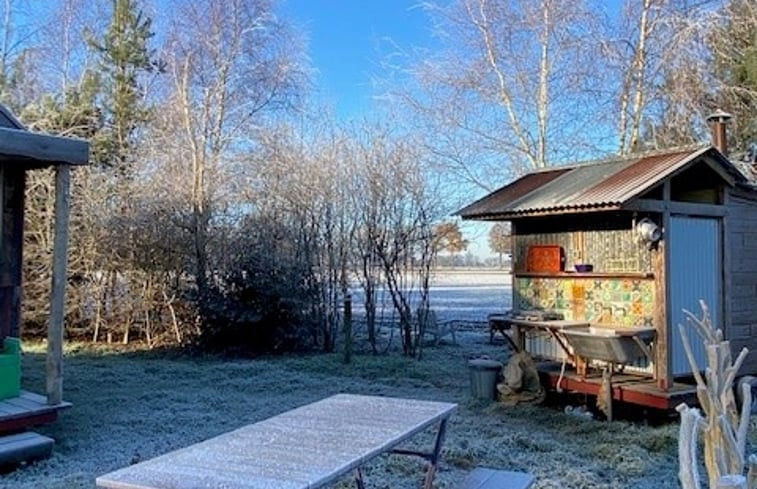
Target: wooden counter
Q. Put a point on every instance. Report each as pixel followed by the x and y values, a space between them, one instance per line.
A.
pixel 557 275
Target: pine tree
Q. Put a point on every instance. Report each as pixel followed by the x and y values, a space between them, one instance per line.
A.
pixel 124 57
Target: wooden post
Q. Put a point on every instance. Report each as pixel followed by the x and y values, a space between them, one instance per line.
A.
pixel 12 182
pixel 347 328
pixel 724 292
pixel 661 263
pixel 58 295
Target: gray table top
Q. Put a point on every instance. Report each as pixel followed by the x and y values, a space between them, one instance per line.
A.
pixel 304 448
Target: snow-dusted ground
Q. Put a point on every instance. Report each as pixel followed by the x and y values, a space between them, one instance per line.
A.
pixel 134 406
pixel 138 405
pixel 465 296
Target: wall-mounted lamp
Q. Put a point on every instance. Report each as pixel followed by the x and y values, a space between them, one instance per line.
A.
pixel 648 232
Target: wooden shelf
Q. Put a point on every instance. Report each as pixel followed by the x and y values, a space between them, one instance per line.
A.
pixel 640 275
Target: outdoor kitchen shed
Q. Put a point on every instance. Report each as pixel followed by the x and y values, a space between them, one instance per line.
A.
pixel 654 234
pixel 22 151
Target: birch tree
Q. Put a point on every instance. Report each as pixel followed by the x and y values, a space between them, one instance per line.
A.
pixel 656 60
pixel 232 63
pixel 507 90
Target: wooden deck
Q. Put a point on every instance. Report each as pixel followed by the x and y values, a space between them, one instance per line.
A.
pixel 628 388
pixel 24 447
pixel 27 410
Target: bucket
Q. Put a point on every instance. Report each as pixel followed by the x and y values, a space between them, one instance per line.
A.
pixel 483 378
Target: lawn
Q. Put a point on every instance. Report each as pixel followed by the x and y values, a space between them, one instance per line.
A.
pixel 136 405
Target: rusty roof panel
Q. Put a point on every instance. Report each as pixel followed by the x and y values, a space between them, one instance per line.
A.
pixel 563 191
pixel 499 200
pixel 601 185
pixel 634 178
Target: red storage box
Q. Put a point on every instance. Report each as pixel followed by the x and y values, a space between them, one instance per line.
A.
pixel 545 258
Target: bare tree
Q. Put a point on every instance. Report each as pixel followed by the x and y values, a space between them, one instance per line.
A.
pixel 657 58
pixel 398 213
pixel 734 69
pixel 508 90
pixel 500 239
pixel 231 62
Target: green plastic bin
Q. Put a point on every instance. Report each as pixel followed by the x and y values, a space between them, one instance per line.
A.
pixel 483 378
pixel 10 368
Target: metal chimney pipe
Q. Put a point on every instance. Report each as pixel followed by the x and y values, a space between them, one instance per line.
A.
pixel 718 121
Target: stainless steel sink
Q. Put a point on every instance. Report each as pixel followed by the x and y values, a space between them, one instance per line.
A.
pixel 611 344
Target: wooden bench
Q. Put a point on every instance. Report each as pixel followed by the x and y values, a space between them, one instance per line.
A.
pixel 23 447
pixel 483 478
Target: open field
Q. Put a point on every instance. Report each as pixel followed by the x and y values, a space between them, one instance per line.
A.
pixel 137 405
pixel 463 295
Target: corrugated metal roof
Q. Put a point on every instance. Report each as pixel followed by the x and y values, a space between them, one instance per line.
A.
pixel 600 185
pixel 512 192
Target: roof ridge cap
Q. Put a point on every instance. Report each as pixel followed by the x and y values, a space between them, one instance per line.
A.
pixel 627 157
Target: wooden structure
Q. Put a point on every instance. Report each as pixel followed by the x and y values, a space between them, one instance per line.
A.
pixel 24 447
pixel 22 151
pixel 308 447
pixel 660 231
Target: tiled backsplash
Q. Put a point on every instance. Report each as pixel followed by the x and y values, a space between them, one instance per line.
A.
pixel 619 301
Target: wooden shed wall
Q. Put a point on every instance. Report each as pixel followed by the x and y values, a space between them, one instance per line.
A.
pixel 741 229
pixel 609 250
pixel 11 239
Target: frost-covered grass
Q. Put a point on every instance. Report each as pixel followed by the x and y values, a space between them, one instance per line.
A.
pixel 136 405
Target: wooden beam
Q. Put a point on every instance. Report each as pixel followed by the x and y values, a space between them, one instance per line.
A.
pixel 562 211
pixel 663 356
pixel 725 269
pixel 58 296
pixel 42 148
pixel 689 208
pixel 11 244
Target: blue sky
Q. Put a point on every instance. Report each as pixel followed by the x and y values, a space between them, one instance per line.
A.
pixel 347 41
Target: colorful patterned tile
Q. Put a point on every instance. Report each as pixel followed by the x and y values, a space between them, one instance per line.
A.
pixel 578 292
pixel 606 316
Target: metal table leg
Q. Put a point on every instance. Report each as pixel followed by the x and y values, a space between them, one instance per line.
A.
pixel 434 460
pixel 359 479
pixel 433 457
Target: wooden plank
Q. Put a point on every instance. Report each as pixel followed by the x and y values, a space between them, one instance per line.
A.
pixel 661 373
pixel 11 243
pixel 22 422
pixel 43 148
pixel 8 409
pixel 687 208
pixel 627 388
pixel 7 119
pixel 23 447
pixel 22 403
pixel 724 291
pixel 27 404
pixel 485 478
pixel 58 294
pixel 664 337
